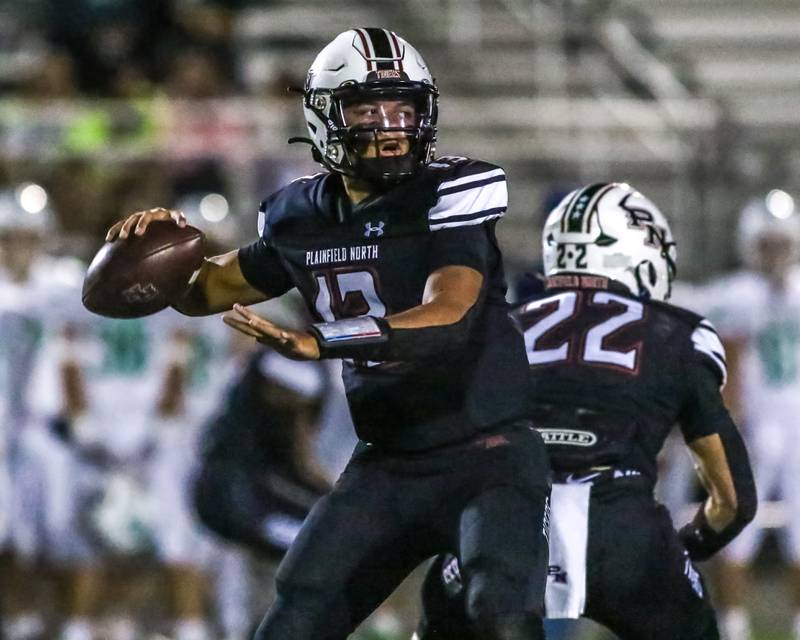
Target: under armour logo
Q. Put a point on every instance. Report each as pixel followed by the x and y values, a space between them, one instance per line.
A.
pixel 139 293
pixel 369 229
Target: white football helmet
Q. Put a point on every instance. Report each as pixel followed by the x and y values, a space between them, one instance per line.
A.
pixel 611 230
pixel 361 66
pixel 772 215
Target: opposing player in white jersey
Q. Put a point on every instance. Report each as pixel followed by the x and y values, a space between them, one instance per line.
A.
pixel 199 367
pixel 757 312
pixel 113 388
pixel 33 288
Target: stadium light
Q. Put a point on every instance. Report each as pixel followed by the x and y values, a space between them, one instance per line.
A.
pixel 780 204
pixel 214 207
pixel 31 197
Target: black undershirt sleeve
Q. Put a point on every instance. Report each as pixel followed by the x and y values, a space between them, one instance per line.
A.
pixel 705 414
pixel 468 246
pixel 262 268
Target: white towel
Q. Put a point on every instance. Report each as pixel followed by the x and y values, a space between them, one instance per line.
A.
pixel 565 596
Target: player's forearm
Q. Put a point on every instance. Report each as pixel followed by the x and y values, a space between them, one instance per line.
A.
pixel 216 287
pixel 725 468
pixel 719 514
pixel 432 314
pixel 441 323
pixel 195 302
pixel 715 475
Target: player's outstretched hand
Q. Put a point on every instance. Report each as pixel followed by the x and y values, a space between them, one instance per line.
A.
pixel 137 222
pixel 296 345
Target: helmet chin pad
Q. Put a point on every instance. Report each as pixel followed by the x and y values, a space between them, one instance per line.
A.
pixel 387 170
pixel 381 170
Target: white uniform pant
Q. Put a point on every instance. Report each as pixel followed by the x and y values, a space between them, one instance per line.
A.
pixel 774 449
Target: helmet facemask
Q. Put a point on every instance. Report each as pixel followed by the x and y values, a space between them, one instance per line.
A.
pixel 380 131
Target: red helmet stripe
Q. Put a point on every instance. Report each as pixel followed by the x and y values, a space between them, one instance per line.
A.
pixel 368 53
pixel 397 51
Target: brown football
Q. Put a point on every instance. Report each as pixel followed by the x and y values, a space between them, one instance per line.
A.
pixel 141 275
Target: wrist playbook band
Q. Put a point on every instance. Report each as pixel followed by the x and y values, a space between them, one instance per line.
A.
pixel 371 338
pixel 362 338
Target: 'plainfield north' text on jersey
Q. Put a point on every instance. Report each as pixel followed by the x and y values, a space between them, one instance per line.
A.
pixel 611 374
pixel 374 258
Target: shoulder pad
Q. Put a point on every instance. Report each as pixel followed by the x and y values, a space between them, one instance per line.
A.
pixel 451 167
pixel 469 192
pixel 706 342
pixel 682 314
pixel 294 200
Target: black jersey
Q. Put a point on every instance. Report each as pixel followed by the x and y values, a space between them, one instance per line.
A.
pixel 611 375
pixel 374 258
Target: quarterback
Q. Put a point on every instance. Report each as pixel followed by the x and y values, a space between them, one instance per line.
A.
pixel 395 254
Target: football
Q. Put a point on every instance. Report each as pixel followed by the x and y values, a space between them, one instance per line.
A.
pixel 141 275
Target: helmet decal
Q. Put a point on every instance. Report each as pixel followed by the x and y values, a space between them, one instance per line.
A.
pixel 577 215
pixel 380 49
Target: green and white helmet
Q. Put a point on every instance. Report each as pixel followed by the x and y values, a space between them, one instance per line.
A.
pixel 611 230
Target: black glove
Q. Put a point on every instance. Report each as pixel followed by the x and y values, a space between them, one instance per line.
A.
pixel 700 540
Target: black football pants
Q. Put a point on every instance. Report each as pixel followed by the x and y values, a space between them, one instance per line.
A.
pixel 640 583
pixel 483 500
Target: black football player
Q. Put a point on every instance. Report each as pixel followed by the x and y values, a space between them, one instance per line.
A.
pixel 396 256
pixel 258 478
pixel 612 368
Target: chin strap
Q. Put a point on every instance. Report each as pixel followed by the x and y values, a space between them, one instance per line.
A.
pixel 314 151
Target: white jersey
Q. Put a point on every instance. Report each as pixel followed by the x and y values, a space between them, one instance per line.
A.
pixel 746 308
pixel 28 312
pixel 210 365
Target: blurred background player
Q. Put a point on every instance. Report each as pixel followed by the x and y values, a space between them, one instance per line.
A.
pixel 612 369
pixel 258 477
pixel 125 396
pixel 34 287
pixel 757 312
pixel 199 362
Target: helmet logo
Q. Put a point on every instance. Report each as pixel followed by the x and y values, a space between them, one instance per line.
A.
pixel 377 229
pixel 643 220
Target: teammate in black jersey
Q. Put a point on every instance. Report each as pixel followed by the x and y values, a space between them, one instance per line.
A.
pixel 396 256
pixel 612 369
pixel 258 479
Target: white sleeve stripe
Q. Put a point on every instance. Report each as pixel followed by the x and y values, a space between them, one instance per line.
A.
pixel 709 339
pixel 488 196
pixel 706 341
pixel 472 178
pixel 723 369
pixel 470 185
pixel 464 223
